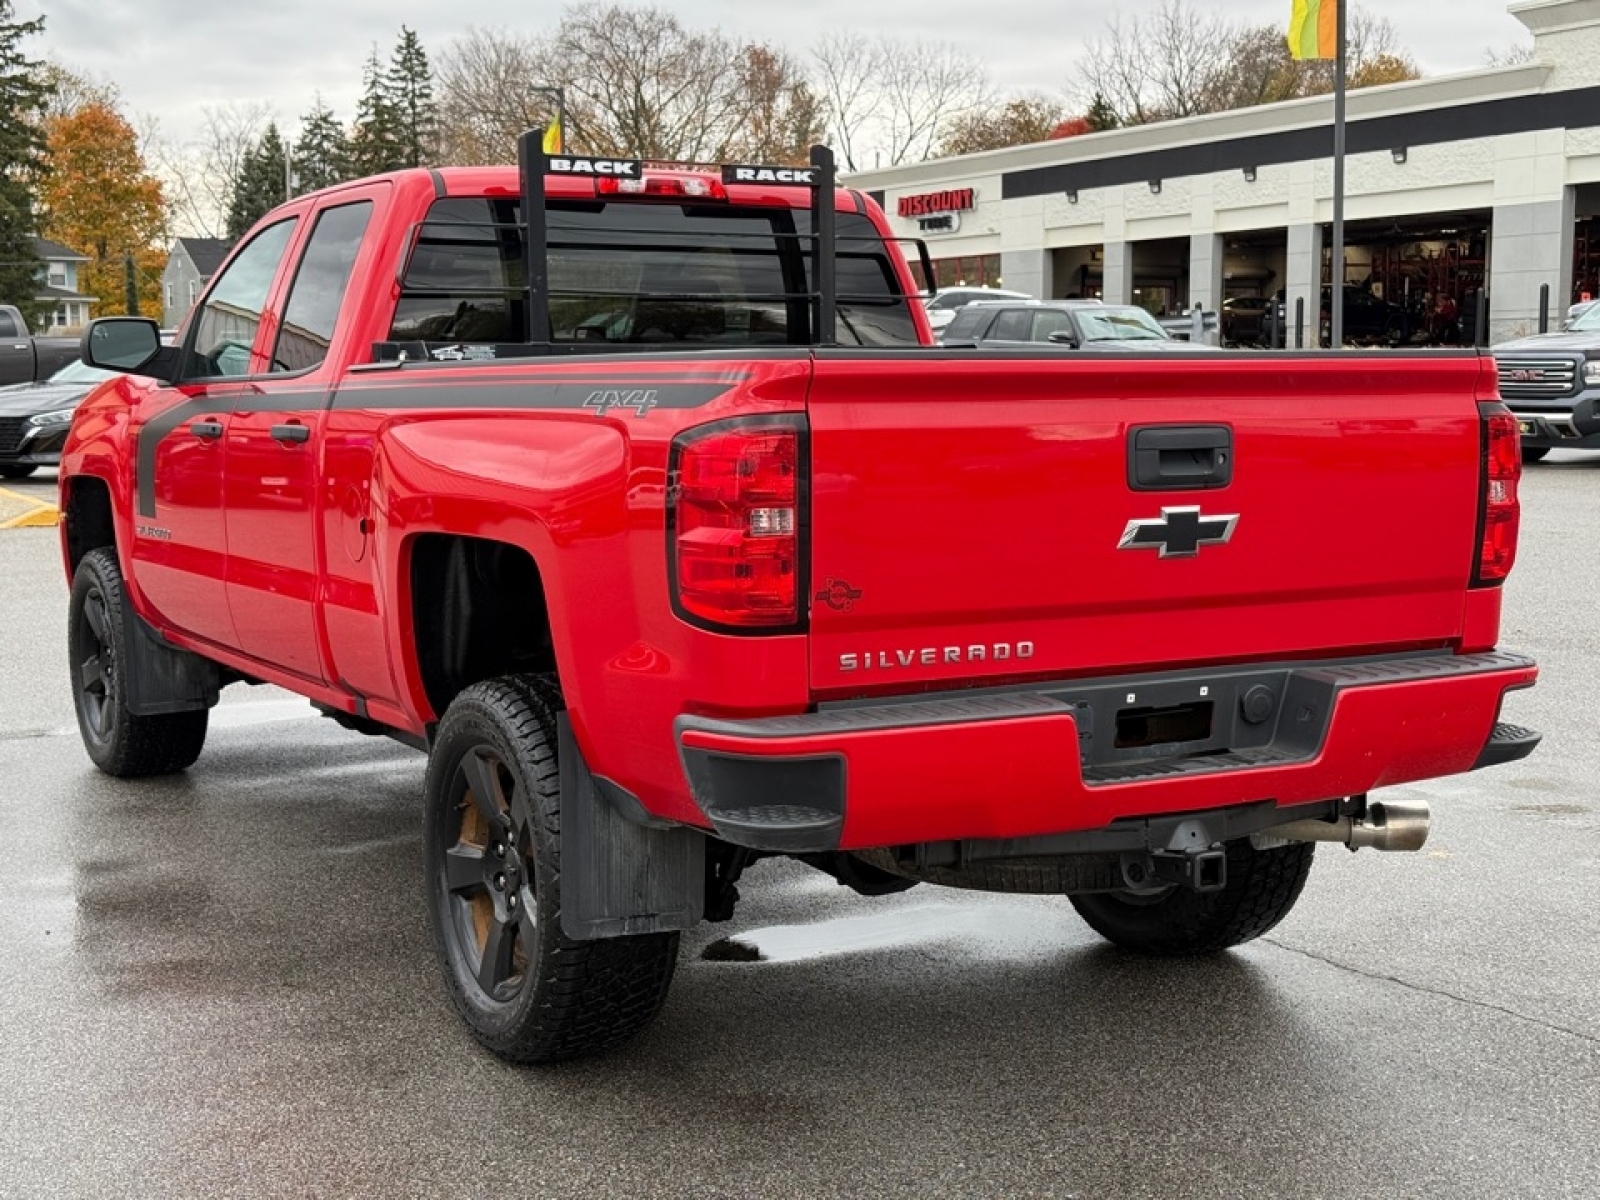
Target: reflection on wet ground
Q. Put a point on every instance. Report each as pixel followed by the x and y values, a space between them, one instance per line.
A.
pixel 993 930
pixel 227 987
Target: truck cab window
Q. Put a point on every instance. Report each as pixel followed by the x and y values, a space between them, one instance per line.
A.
pixel 229 319
pixel 319 287
pixel 644 274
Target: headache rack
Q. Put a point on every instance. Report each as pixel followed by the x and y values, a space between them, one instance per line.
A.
pixel 722 273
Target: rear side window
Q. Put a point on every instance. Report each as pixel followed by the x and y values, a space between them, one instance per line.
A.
pixel 644 274
pixel 319 287
pixel 229 319
pixel 1012 325
pixel 968 323
pixel 8 326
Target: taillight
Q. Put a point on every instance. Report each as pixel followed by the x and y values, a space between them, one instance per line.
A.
pixel 664 187
pixel 735 523
pixel 1499 511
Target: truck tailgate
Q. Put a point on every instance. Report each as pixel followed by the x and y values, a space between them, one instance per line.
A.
pixel 973 516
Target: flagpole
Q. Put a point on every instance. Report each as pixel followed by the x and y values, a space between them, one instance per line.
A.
pixel 1336 272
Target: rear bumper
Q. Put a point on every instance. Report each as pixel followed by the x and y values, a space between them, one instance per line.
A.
pixel 1055 759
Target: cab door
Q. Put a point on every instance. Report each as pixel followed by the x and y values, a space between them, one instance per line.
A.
pixel 180 541
pixel 275 451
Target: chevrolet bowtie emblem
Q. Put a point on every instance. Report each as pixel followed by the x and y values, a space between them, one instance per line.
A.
pixel 1178 532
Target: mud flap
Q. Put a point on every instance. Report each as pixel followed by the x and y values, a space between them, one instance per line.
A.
pixel 164 679
pixel 622 872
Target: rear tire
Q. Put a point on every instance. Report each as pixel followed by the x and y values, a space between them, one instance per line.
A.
pixel 1532 454
pixel 1262 887
pixel 100 632
pixel 493 846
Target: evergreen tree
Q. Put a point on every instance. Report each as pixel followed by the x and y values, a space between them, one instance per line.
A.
pixel 322 153
pixel 261 184
pixel 24 93
pixel 1101 116
pixel 410 94
pixel 377 141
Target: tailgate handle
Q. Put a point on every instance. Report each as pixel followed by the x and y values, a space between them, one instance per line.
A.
pixel 1179 457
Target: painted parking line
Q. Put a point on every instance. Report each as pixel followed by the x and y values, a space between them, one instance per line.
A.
pixel 20 511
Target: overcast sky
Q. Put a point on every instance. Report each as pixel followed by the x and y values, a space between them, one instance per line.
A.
pixel 171 57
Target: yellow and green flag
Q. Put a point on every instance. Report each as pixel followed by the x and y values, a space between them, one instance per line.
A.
pixel 1313 29
pixel 552 136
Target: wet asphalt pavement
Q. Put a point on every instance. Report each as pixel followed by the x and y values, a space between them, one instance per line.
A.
pixel 221 984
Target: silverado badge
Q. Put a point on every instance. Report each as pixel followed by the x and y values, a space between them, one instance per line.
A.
pixel 1178 532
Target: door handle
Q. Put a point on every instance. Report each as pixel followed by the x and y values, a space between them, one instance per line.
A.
pixel 206 431
pixel 286 435
pixel 1179 457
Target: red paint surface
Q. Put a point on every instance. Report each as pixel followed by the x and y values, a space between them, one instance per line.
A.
pixel 967 502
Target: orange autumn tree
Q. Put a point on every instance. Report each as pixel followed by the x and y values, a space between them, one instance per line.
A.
pixel 102 201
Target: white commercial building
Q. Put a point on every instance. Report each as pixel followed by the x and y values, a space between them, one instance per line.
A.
pixel 1481 182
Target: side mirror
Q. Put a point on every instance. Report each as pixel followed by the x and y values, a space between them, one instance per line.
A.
pixel 1061 337
pixel 121 344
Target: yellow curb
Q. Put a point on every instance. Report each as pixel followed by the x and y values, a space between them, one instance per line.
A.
pixel 41 517
pixel 34 512
pixel 21 496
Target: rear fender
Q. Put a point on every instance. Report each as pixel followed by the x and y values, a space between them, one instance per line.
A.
pixel 536 483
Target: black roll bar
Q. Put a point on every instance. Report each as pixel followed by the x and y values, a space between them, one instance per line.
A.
pixel 824 242
pixel 534 164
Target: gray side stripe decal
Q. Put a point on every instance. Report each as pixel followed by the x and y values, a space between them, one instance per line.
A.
pixel 595 395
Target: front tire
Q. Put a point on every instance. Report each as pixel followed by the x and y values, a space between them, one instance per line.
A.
pixel 493 846
pixel 1262 886
pixel 16 471
pixel 1532 454
pixel 100 633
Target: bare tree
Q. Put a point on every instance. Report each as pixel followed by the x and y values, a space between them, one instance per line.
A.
pixel 1182 62
pixel 639 83
pixel 199 175
pixel 847 67
pixel 1170 64
pixel 926 86
pixel 1508 56
pixel 895 101
pixel 486 80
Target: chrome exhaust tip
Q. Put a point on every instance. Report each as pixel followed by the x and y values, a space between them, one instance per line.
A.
pixel 1388 825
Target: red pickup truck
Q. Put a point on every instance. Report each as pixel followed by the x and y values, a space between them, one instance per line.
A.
pixel 641 500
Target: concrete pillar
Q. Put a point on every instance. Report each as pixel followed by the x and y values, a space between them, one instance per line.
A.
pixel 1303 282
pixel 1205 271
pixel 1118 273
pixel 1530 245
pixel 1030 271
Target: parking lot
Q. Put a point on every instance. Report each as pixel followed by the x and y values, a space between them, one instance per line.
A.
pixel 221 984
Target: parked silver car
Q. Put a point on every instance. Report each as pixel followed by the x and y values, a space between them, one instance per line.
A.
pixel 943 305
pixel 1071 323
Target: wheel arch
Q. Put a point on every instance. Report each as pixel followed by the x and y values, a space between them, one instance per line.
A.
pixel 88 518
pixel 478 610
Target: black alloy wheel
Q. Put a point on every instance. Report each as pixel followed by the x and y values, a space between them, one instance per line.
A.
pixel 100 626
pixel 493 846
pixel 489 877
